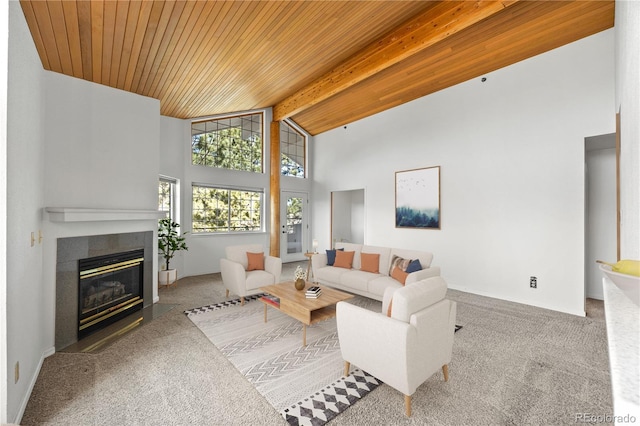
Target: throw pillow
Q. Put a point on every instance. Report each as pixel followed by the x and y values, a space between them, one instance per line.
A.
pixel 414 266
pixel 256 261
pixel 331 256
pixel 397 261
pixel 399 275
pixel 370 262
pixel 344 259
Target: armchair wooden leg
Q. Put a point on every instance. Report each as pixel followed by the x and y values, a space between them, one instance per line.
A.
pixel 227 293
pixel 242 301
pixel 407 405
pixel 445 371
pixel 347 365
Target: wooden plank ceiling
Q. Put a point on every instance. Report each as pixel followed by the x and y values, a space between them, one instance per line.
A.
pixel 322 64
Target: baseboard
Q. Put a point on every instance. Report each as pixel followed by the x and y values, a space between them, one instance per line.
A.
pixel 579 313
pixel 46 353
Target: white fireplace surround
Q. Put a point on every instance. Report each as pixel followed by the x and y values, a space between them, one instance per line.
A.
pixel 78 230
pixel 72 214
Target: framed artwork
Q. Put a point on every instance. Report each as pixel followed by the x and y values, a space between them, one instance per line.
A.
pixel 418 198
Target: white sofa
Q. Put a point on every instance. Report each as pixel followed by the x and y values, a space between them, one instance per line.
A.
pixel 367 283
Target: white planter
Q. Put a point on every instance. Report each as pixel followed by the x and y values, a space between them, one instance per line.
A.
pixel 167 277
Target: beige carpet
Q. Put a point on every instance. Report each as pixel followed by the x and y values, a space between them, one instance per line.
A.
pixel 512 364
pixel 305 384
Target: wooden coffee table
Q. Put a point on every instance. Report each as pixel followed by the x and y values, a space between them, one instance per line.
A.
pixel 308 311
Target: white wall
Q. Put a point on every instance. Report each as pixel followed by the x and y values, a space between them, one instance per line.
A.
pixel 511 152
pixel 70 144
pixel 627 32
pixel 102 146
pixel 4 60
pixel 29 304
pixel 173 134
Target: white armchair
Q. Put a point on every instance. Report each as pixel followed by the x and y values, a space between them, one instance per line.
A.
pixel 238 280
pixel 408 347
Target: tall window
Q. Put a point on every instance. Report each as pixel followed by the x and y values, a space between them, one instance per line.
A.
pixel 292 151
pixel 220 210
pixel 233 143
pixel 168 197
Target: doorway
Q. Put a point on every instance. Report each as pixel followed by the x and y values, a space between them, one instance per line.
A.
pixel 600 210
pixel 347 216
pixel 294 238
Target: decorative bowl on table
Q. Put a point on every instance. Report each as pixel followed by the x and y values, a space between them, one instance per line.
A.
pixel 629 284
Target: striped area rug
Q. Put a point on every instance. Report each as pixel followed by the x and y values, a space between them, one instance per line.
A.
pixel 304 383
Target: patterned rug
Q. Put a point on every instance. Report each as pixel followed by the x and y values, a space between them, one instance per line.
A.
pixel 304 383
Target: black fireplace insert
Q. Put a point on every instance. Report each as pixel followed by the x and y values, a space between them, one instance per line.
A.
pixel 110 288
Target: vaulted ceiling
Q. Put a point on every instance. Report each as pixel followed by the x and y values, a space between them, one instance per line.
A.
pixel 322 64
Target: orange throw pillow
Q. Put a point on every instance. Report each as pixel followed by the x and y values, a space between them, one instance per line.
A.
pixel 399 275
pixel 256 261
pixel 370 262
pixel 344 259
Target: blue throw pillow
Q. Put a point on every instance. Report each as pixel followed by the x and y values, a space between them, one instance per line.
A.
pixel 331 256
pixel 414 266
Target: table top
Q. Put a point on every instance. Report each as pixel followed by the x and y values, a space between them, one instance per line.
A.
pixel 287 291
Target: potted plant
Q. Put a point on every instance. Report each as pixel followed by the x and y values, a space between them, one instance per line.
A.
pixel 169 242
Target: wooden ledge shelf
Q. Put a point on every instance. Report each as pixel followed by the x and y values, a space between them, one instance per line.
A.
pixel 72 214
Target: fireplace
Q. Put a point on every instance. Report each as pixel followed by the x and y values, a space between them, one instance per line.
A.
pixel 110 287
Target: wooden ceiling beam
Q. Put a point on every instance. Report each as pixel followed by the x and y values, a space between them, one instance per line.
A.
pixel 435 24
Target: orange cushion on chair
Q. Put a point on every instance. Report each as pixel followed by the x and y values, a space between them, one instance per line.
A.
pixel 344 259
pixel 399 275
pixel 256 261
pixel 370 262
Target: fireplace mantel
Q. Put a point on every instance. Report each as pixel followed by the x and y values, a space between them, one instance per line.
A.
pixel 73 214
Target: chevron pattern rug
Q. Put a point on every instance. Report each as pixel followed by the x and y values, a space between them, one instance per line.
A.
pixel 304 383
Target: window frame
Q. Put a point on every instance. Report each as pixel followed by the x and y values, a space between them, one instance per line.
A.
pixel 262 115
pixel 174 197
pixel 230 188
pixel 305 140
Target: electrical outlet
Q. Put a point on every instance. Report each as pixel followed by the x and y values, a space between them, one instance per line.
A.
pixel 533 282
pixel 17 372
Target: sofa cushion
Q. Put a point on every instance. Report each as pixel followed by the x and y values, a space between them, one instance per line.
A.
pixel 398 262
pixel 385 257
pixel 238 253
pixel 370 262
pixel 255 261
pixel 357 280
pixel 257 279
pixel 331 257
pixel 425 257
pixel 357 248
pixel 329 274
pixel 344 259
pixel 379 285
pixel 414 266
pixel 399 275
